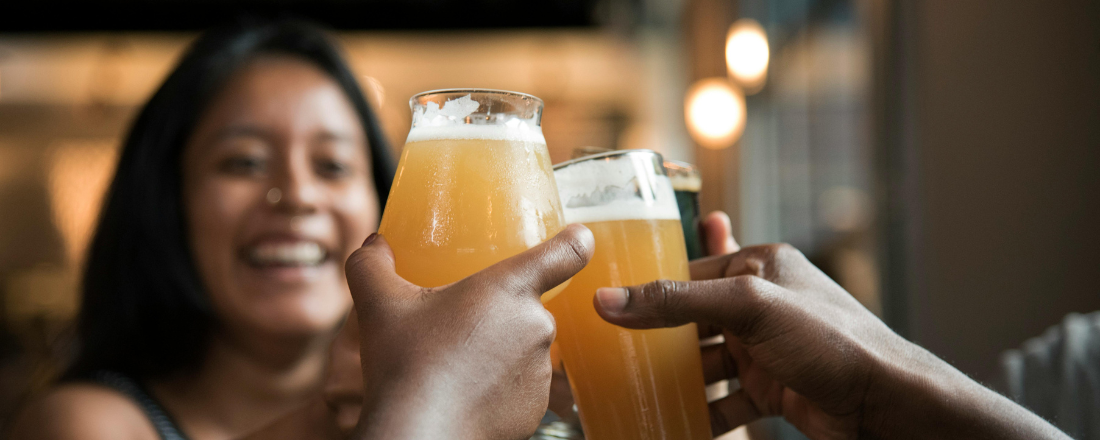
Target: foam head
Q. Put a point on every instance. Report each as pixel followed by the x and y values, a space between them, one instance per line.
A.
pixel 684 176
pixel 460 118
pixel 620 186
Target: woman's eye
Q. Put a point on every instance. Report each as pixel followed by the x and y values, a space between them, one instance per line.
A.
pixel 332 169
pixel 243 165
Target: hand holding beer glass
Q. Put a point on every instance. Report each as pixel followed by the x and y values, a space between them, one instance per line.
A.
pixel 628 384
pixel 474 186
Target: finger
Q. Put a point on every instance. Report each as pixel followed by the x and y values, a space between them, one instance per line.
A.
pixel 718 233
pixel 542 267
pixel 759 260
pixel 740 304
pixel 372 273
pixel 718 364
pixel 709 268
pixel 732 411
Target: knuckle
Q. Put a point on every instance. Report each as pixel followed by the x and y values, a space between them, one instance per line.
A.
pixel 665 294
pixel 785 251
pixel 749 290
pixel 772 250
pixel 757 302
pixel 539 328
pixel 547 328
pixel 744 285
pixel 576 251
pixel 768 260
pixel 354 261
pixel 753 289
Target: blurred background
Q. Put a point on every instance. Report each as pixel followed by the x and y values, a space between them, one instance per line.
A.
pixel 939 159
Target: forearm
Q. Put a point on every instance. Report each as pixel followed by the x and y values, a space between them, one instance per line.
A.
pixel 929 399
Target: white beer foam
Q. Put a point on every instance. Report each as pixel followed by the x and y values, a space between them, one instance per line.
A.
pixel 519 132
pixel 621 211
pixel 449 122
pixel 686 183
pixel 599 190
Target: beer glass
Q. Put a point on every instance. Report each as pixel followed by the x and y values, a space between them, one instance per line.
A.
pixel 473 186
pixel 686 182
pixel 628 384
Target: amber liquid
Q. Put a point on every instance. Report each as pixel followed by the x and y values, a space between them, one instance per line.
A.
pixel 458 206
pixel 631 384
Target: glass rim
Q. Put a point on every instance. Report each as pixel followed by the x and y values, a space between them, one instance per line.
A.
pixel 682 164
pixel 471 91
pixel 609 154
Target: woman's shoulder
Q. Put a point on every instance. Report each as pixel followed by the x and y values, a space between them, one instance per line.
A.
pixel 82 411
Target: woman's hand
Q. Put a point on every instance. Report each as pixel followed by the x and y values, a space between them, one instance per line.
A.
pixel 803 348
pixel 466 360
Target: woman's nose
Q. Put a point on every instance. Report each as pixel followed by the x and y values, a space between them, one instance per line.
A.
pixel 299 191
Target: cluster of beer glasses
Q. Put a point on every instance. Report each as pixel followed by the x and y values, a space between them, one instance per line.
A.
pixel 474 186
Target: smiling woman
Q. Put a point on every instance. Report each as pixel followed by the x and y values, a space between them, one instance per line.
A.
pixel 215 280
pixel 280 124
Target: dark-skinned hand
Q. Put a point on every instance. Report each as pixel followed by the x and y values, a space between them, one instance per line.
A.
pixel 469 360
pixel 804 349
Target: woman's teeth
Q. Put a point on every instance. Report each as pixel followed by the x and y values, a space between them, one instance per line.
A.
pixel 287 254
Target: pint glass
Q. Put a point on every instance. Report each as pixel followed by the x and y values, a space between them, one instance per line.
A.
pixel 686 183
pixel 628 384
pixel 474 185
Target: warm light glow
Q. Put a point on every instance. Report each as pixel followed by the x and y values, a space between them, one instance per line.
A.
pixel 747 54
pixel 80 172
pixel 375 90
pixel 715 113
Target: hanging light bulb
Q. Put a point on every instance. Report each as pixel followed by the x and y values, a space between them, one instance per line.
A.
pixel 715 112
pixel 747 54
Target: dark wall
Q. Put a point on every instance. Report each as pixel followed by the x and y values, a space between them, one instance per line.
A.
pixel 193 15
pixel 1007 141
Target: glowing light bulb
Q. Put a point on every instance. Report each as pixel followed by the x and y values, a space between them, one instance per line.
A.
pixel 747 54
pixel 715 112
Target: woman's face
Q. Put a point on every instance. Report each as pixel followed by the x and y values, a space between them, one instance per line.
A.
pixel 278 191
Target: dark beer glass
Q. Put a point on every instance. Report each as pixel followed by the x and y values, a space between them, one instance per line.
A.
pixel 686 182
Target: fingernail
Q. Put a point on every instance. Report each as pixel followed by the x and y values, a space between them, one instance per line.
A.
pixel 370 238
pixel 612 299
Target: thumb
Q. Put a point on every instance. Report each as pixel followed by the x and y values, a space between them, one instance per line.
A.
pixel 542 267
pixel 737 303
pixel 372 273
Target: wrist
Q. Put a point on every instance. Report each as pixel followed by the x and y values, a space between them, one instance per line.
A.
pixel 919 396
pixel 415 409
pixel 912 393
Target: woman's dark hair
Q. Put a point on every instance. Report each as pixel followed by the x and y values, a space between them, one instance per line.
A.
pixel 145 312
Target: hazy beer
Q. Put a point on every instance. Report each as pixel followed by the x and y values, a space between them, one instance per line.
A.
pixel 628 384
pixel 474 185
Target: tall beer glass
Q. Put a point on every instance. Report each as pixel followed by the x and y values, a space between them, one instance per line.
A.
pixel 628 384
pixel 474 185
